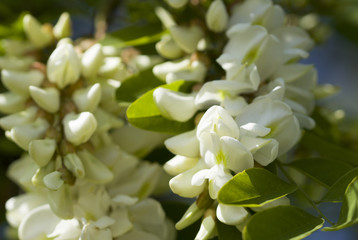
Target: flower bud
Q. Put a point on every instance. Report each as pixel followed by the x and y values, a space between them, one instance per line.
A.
pixel 53 181
pixel 62 28
pixel 92 60
pixel 90 231
pixel 14 63
pixel 179 164
pixel 217 17
pixel 177 3
pixel 190 216
pixel 37 178
pixel 19 82
pixel 207 229
pixel 42 150
pixel 95 170
pixel 110 67
pixel 74 164
pixel 46 98
pixel 168 48
pixel 11 102
pixel 174 105
pixel 185 144
pixel 231 214
pixel 79 128
pixel 87 99
pixel 19 118
pixel 63 66
pixel 187 38
pixel 37 34
pixel 61 202
pixel 22 135
pixel 15 47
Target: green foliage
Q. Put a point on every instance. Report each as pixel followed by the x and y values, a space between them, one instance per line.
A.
pixel 349 210
pixel 322 170
pixel 336 192
pixel 281 223
pixel 144 113
pixel 254 187
pixel 227 232
pixel 136 85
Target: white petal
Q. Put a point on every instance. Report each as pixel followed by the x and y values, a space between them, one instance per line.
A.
pixel 179 164
pixel 19 118
pixel 46 98
pixel 185 144
pixel 254 130
pixel 66 230
pixel 92 60
pixel 207 228
pixel 19 82
pixel 217 17
pixel 87 99
pixel 123 224
pixel 191 215
pixel 11 102
pixel 231 214
pixel 264 151
pixel 79 128
pixel 186 37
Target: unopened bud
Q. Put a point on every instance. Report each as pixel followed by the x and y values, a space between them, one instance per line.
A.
pixel 62 28
pixel 74 164
pixel 37 178
pixel 61 202
pixel 79 128
pixel 92 60
pixel 38 35
pixel 207 229
pixel 110 67
pixel 175 105
pixel 19 82
pixel 46 98
pixel 11 102
pixel 53 180
pixel 87 99
pixel 177 3
pixel 63 66
pixel 190 216
pixel 95 170
pixel 168 48
pixel 185 144
pixel 217 17
pixel 19 118
pixel 22 135
pixel 187 38
pixel 42 150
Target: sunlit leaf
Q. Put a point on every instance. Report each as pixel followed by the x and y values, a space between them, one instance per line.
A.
pixel 281 223
pixel 254 187
pixel 327 149
pixel 336 192
pixel 137 85
pixel 349 210
pixel 322 170
pixel 144 113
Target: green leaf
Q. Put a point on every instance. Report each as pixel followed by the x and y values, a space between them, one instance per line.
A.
pixel 136 85
pixel 227 232
pixel 281 223
pixel 349 210
pixel 336 192
pixel 322 170
pixel 135 35
pixel 254 187
pixel 144 113
pixel 329 150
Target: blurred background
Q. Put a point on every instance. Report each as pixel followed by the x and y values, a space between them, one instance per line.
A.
pixel 332 24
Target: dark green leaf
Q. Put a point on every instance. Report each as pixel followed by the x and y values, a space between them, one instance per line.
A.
pixel 227 232
pixel 349 210
pixel 281 223
pixel 336 192
pixel 322 170
pixel 137 85
pixel 254 187
pixel 329 150
pixel 144 113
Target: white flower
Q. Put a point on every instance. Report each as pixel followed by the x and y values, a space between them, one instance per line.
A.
pixel 18 81
pixel 74 164
pixel 231 214
pixel 92 60
pixel 187 38
pixel 63 66
pixel 39 36
pixel 62 28
pixel 217 17
pixel 19 118
pixel 179 164
pixel 207 229
pixel 185 144
pixel 21 172
pixel 16 63
pixel 87 99
pixel 185 69
pixel 174 105
pixel 53 180
pixel 42 150
pixel 11 102
pixel 177 3
pixel 46 98
pixel 167 48
pixel 79 128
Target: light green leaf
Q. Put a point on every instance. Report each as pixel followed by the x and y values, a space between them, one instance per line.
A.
pixel 322 170
pixel 144 113
pixel 349 210
pixel 336 192
pixel 329 150
pixel 135 35
pixel 227 232
pixel 281 223
pixel 254 187
pixel 136 85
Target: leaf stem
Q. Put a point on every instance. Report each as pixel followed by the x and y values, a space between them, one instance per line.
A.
pixel 309 200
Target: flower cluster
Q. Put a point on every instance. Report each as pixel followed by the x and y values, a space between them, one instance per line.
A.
pixel 79 181
pixel 248 118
